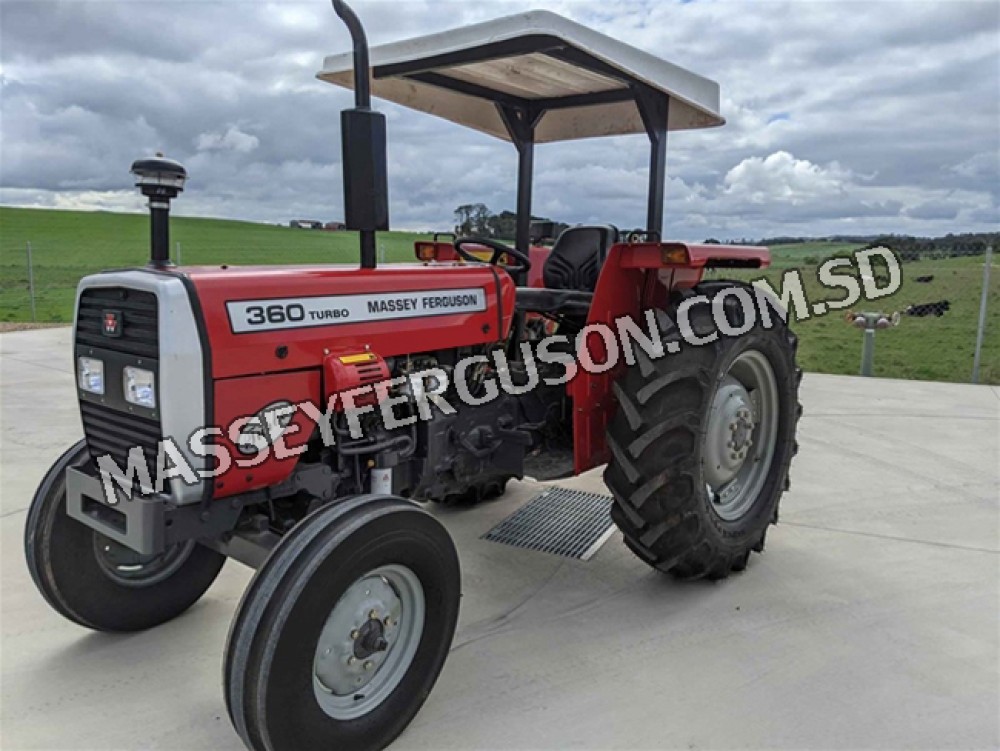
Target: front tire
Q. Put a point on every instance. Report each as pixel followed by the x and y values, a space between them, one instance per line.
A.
pixel 97 583
pixel 343 632
pixel 703 439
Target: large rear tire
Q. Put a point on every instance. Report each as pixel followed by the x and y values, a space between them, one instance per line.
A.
pixel 97 583
pixel 343 632
pixel 703 439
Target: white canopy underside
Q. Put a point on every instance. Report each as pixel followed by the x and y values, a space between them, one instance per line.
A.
pixel 490 56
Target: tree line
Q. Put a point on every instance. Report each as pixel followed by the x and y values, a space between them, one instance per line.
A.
pixel 909 248
pixel 477 219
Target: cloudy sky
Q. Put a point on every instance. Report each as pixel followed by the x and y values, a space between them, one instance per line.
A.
pixel 843 117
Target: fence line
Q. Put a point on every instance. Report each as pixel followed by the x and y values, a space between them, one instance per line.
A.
pixel 31 284
pixel 980 329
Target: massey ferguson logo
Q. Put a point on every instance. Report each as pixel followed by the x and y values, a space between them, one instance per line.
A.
pixel 112 323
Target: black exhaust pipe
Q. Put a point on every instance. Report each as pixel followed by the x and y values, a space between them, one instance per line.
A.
pixel 363 141
pixel 160 180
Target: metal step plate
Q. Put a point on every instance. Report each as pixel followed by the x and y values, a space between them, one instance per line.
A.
pixel 560 521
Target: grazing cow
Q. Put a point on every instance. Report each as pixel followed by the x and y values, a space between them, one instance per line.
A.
pixel 924 279
pixel 929 309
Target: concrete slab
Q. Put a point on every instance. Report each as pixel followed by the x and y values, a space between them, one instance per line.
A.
pixel 870 622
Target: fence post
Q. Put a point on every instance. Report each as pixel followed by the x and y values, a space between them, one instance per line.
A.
pixel 868 352
pixel 982 313
pixel 31 283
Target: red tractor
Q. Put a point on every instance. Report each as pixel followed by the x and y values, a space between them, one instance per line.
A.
pixel 294 417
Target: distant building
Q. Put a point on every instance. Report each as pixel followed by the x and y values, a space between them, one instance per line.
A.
pixel 334 226
pixel 305 224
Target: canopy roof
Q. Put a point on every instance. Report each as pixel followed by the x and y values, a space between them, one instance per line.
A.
pixel 583 81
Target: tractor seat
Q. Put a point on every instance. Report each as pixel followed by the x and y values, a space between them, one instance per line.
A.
pixel 571 270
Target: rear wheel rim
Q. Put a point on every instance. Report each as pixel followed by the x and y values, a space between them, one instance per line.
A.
pixel 368 642
pixel 741 437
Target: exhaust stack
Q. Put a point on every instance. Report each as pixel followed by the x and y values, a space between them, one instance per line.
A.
pixel 160 180
pixel 363 142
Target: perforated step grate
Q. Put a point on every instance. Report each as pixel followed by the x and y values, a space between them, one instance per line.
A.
pixel 560 521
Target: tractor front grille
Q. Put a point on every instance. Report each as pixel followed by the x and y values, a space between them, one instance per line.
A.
pixel 139 320
pixel 114 433
pixel 110 425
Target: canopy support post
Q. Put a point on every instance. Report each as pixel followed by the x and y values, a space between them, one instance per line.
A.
pixel 654 108
pixel 520 123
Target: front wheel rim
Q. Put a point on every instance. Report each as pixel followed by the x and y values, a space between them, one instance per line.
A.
pixel 130 569
pixel 368 642
pixel 741 437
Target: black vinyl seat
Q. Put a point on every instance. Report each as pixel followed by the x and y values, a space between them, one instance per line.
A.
pixel 571 271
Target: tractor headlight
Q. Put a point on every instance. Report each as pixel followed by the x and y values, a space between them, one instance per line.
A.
pixel 90 374
pixel 139 386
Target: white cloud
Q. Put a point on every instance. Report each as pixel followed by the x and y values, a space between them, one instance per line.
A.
pixel 782 177
pixel 233 139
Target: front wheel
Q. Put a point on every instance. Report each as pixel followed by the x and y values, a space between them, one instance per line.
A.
pixel 98 583
pixel 704 436
pixel 343 632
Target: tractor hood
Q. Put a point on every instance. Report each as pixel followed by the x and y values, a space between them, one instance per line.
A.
pixel 264 319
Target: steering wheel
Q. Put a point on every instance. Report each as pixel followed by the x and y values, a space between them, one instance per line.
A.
pixel 499 249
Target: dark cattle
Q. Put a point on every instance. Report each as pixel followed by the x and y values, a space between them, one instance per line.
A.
pixel 924 279
pixel 929 308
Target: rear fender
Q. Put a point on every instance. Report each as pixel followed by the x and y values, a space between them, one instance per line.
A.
pixel 635 277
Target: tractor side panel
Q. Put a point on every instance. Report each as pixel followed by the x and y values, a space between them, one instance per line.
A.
pixel 239 398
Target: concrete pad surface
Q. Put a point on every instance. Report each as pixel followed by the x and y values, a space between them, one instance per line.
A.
pixel 871 621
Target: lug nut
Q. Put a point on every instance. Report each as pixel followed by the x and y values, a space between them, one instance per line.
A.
pixel 388 621
pixel 373 614
pixel 351 660
pixel 368 664
pixel 355 634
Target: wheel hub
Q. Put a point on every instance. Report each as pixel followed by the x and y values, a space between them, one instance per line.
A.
pixel 730 432
pixel 368 641
pixel 358 636
pixel 741 435
pixel 371 639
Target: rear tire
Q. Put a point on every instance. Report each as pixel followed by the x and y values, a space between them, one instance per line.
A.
pixel 676 512
pixel 93 581
pixel 374 573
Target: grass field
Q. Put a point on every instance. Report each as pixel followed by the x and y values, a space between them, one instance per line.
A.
pixel 67 245
pixel 925 348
